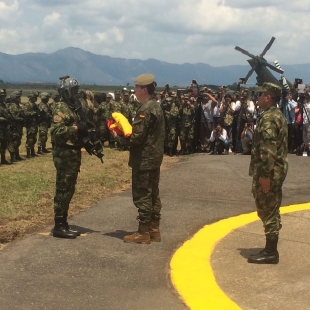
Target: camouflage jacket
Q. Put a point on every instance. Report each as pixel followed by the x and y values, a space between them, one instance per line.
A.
pixel 133 107
pixel 4 115
pixel 172 116
pixel 31 112
pixel 45 114
pixel 147 138
pixel 269 147
pixel 115 106
pixel 62 130
pixel 103 112
pixel 187 115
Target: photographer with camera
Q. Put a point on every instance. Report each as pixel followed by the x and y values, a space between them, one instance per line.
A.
pixel 227 115
pixel 218 141
pixel 305 100
pixel 287 105
pixel 247 136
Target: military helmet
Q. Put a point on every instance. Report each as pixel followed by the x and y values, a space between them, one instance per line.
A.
pixel 45 95
pixel 66 85
pixel 2 92
pixel 16 94
pixel 33 94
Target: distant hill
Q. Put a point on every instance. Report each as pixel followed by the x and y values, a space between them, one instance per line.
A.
pixel 89 68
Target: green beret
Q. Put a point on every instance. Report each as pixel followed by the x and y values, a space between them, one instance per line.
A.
pixel 269 88
pixel 144 79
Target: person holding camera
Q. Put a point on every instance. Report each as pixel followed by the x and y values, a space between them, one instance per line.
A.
pixel 227 115
pixel 247 137
pixel 287 106
pixel 305 99
pixel 218 141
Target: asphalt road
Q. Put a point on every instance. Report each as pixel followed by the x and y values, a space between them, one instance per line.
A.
pixel 100 271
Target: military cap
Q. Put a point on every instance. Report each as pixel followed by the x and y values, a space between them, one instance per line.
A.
pixel 144 79
pixel 126 93
pixel 117 92
pixel 33 94
pixel 109 95
pixel 45 95
pixel 2 92
pixel 269 88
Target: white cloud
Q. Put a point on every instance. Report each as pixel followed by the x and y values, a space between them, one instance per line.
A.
pixel 51 19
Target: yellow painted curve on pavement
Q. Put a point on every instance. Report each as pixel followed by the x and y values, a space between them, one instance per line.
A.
pixel 191 271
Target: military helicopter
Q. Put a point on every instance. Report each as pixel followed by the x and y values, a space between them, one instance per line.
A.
pixel 259 64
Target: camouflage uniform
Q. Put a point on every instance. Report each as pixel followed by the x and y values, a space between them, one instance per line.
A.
pixel 187 115
pixel 66 155
pixel 133 106
pixel 52 104
pixel 146 155
pixel 44 122
pixel 103 116
pixel 4 127
pixel 171 121
pixel 269 160
pixel 115 106
pixel 32 113
pixel 16 132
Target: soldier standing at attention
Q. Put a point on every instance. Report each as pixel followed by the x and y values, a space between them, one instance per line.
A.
pixel 32 114
pixel 103 117
pixel 269 167
pixel 65 132
pixel 4 127
pixel 145 157
pixel 44 122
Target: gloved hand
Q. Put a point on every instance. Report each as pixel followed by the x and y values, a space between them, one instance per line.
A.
pixel 82 129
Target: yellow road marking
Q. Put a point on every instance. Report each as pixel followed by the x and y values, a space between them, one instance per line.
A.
pixel 191 271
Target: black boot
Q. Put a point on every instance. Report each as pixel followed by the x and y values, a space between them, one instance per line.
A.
pixel 40 151
pixel 33 153
pixel 60 230
pixel 4 161
pixel 28 153
pixel 13 158
pixel 17 156
pixel 269 255
pixel 44 149
pixel 170 152
pixel 68 227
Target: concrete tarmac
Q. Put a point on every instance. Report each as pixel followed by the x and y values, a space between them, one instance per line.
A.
pixel 100 271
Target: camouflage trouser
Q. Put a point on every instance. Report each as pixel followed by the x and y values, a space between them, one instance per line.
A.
pixel 67 163
pixel 187 135
pixel 103 133
pixel 43 131
pixel 31 136
pixel 15 139
pixel 3 139
pixel 268 206
pixel 145 194
pixel 171 136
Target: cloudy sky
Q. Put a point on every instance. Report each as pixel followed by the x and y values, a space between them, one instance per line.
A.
pixel 176 31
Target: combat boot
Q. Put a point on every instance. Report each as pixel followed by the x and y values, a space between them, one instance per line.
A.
pixel 269 255
pixel 44 149
pixel 65 217
pixel 17 156
pixel 13 159
pixel 40 151
pixel 141 236
pixel 154 231
pixel 33 153
pixel 60 230
pixel 170 152
pixel 4 161
pixel 28 153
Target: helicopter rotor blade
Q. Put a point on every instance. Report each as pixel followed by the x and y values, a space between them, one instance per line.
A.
pixel 267 47
pixel 249 74
pixel 274 68
pixel 244 52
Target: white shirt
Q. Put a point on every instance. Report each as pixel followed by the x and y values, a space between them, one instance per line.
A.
pixel 236 106
pixel 223 136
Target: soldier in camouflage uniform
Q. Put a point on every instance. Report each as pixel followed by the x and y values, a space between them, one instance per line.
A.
pixel 32 115
pixel 133 106
pixel 171 113
pixel 45 118
pixel 4 127
pixel 115 106
pixel 269 167
pixel 187 116
pixel 16 132
pixel 52 104
pixel 65 130
pixel 146 155
pixel 103 117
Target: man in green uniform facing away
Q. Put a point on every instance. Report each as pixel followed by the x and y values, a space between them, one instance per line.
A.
pixel 269 167
pixel 146 155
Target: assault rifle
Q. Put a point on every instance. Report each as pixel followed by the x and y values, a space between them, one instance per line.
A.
pixel 91 143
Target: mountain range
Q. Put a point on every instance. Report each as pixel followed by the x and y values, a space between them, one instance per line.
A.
pixel 90 68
